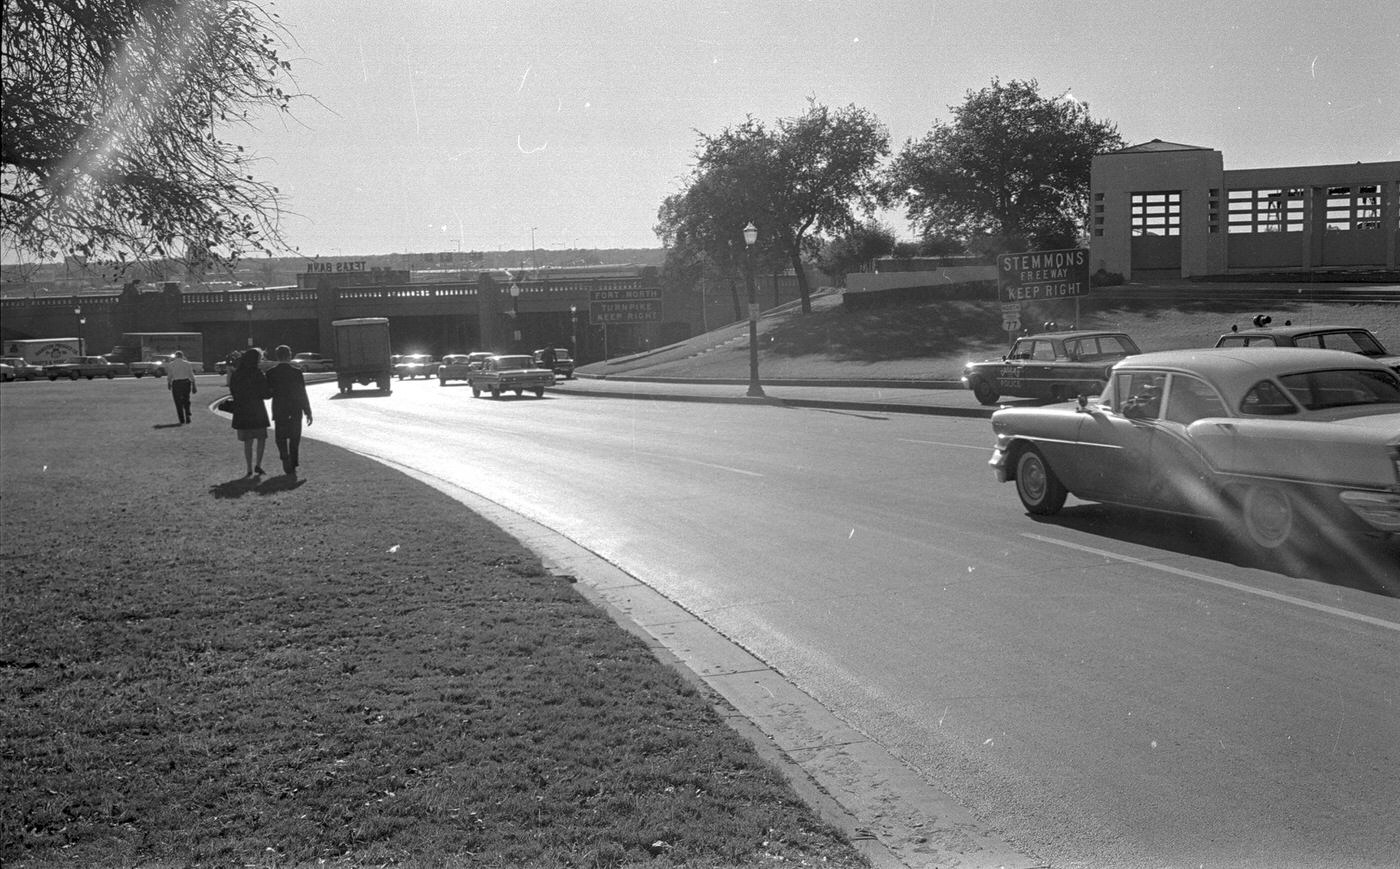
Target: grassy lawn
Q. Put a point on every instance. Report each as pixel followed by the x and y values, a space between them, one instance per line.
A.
pixel 931 341
pixel 350 669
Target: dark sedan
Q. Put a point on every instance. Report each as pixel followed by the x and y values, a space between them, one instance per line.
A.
pixel 81 366
pixel 1053 366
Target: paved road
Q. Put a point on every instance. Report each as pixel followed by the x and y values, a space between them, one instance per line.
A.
pixel 1095 691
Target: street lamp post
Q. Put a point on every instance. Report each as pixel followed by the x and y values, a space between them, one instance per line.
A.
pixel 78 312
pixel 249 306
pixel 515 312
pixel 573 328
pixel 751 236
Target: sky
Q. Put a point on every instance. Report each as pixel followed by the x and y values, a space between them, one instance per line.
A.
pixel 440 125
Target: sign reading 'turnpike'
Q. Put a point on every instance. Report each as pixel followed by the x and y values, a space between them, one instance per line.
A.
pixel 1035 276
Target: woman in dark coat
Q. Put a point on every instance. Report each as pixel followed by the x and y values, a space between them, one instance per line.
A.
pixel 247 385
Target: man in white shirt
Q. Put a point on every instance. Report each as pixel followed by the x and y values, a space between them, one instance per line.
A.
pixel 179 379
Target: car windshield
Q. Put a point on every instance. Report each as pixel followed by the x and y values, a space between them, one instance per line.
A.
pixel 515 362
pixel 1319 390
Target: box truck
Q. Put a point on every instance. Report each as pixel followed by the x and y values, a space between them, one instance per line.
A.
pixel 145 352
pixel 362 353
pixel 44 351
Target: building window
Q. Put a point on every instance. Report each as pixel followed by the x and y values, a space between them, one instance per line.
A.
pixel 1351 208
pixel 1266 210
pixel 1156 213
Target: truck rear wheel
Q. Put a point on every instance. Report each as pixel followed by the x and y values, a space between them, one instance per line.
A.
pixel 476 391
pixel 539 393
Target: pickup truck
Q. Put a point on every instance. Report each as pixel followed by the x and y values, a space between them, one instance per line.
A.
pixel 509 373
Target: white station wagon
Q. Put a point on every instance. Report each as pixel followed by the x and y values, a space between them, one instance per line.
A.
pixel 1276 440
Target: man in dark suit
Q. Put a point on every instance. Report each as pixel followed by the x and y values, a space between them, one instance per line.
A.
pixel 289 404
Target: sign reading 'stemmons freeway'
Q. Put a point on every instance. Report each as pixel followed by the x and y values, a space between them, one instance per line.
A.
pixel 625 306
pixel 1035 276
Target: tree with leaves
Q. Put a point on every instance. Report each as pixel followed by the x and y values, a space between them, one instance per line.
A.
pixel 1012 165
pixel 113 120
pixel 702 226
pixel 807 176
pixel 828 166
pixel 855 249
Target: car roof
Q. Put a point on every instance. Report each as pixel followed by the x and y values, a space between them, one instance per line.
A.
pixel 1295 330
pixel 1082 333
pixel 1254 363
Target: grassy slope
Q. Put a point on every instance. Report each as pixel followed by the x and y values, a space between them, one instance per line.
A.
pixel 351 668
pixel 932 341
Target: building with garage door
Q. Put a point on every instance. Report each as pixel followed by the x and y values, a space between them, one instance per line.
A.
pixel 1166 210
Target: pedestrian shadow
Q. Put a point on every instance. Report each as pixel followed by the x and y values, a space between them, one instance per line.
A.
pixel 255 486
pixel 167 425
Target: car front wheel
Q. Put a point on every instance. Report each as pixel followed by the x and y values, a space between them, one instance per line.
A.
pixel 1267 516
pixel 73 375
pixel 1041 492
pixel 984 392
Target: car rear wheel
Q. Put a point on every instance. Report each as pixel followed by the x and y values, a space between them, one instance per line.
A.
pixel 476 391
pixel 984 392
pixel 73 375
pixel 1041 492
pixel 539 393
pixel 1267 516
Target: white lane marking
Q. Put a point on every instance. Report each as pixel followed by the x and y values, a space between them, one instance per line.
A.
pixel 984 448
pixel 1215 580
pixel 697 462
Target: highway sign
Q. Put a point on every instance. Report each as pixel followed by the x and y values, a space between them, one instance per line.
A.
pixel 1037 276
pixel 639 305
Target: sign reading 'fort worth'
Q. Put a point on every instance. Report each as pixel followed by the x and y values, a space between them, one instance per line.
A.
pixel 641 305
pixel 1035 276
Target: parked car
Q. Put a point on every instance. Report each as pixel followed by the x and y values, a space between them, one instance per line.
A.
pixel 1269 439
pixel 1353 339
pixel 509 374
pixel 75 367
pixel 1053 366
pixel 22 369
pixel 7 373
pixel 411 365
pixel 563 362
pixel 313 362
pixel 456 366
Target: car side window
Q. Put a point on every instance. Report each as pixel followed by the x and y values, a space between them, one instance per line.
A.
pixel 1044 351
pixel 1020 350
pixel 1266 399
pixel 1190 399
pixel 1314 341
pixel 1142 394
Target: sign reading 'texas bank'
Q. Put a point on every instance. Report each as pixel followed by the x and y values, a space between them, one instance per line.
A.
pixel 1042 274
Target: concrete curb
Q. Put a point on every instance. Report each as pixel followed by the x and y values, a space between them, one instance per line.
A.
pixel 888 811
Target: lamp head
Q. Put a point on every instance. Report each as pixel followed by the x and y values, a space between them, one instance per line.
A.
pixel 750 233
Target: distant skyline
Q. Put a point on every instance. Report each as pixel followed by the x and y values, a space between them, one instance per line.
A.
pixel 445 125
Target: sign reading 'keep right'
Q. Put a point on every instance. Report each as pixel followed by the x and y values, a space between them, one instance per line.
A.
pixel 1040 275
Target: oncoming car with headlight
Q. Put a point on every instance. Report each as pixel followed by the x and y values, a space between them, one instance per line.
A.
pixel 1277 441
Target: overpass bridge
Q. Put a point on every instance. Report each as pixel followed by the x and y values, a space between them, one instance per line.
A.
pixel 439 317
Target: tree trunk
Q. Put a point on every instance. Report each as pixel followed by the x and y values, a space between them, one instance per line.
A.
pixel 802 287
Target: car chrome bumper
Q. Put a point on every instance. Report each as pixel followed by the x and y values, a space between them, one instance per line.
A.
pixel 1377 509
pixel 998 465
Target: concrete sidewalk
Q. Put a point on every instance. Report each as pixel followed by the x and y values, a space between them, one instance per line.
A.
pixel 938 397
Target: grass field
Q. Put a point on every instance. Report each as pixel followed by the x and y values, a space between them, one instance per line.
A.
pixel 348 669
pixel 932 341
